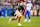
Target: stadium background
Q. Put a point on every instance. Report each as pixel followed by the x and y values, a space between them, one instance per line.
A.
pixel 35 20
pixel 12 3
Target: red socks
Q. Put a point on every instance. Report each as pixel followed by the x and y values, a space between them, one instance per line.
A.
pixel 19 19
pixel 14 19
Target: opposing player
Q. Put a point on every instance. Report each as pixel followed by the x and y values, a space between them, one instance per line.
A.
pixel 29 6
pixel 18 16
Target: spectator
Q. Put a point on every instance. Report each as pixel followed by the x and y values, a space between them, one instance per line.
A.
pixel 33 11
pixel 9 12
pixel 37 2
pixel 0 11
pixel 37 10
pixel 4 11
pixel 14 10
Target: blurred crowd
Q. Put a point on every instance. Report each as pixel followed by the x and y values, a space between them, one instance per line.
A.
pixel 15 2
pixel 10 6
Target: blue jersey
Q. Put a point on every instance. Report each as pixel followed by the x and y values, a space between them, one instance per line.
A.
pixel 9 10
pixel 4 10
pixel 14 10
pixel 0 10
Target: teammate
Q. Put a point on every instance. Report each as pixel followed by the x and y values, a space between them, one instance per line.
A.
pixel 18 15
pixel 28 9
pixel 9 12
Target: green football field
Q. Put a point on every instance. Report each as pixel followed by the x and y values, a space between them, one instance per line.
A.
pixel 35 22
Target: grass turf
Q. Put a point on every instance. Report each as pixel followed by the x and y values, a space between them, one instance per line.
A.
pixel 35 22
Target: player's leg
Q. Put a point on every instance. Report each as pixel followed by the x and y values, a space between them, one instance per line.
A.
pixel 19 19
pixel 29 16
pixel 12 19
pixel 25 16
pixel 19 22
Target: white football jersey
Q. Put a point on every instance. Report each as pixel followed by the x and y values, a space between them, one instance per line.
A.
pixel 28 6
